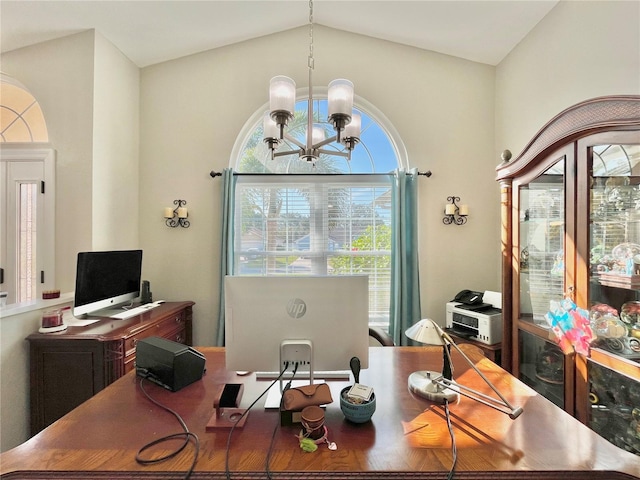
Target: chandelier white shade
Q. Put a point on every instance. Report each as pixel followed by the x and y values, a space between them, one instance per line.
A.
pixel 282 101
pixel 340 99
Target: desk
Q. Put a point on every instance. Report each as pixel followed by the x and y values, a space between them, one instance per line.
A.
pixel 406 439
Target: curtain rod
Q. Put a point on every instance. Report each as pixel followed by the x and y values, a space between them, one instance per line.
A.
pixel 215 174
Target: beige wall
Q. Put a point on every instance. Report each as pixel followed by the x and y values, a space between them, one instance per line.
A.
pixel 580 50
pixel 116 123
pixel 454 117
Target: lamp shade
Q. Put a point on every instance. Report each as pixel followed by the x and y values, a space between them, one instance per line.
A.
pixel 352 130
pixel 340 97
pixel 426 331
pixel 269 126
pixel 282 94
pixel 317 134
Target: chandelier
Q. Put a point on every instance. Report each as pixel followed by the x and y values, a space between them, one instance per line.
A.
pixel 282 100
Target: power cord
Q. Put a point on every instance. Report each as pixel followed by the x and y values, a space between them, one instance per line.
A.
pixel 454 448
pixel 227 471
pixel 186 434
pixel 275 428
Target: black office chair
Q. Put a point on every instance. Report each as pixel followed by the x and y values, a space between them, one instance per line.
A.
pixel 381 337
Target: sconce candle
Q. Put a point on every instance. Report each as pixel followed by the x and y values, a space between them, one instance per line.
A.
pixel 177 217
pixel 454 214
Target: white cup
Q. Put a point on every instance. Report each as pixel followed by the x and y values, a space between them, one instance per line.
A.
pixel 3 298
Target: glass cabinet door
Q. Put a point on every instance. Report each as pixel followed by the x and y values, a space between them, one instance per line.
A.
pixel 615 411
pixel 614 263
pixel 541 243
pixel 542 366
pixel 541 232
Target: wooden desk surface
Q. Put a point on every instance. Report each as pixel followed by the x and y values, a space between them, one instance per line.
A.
pixel 407 437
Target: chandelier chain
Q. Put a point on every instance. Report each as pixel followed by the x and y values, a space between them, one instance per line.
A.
pixel 340 105
pixel 311 61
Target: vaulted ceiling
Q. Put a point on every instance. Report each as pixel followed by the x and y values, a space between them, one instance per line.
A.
pixel 150 32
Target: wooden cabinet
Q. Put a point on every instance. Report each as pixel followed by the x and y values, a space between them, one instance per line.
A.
pixel 570 206
pixel 69 367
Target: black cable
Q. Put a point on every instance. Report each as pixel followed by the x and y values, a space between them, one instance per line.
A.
pixel 186 434
pixel 454 448
pixel 275 428
pixel 244 414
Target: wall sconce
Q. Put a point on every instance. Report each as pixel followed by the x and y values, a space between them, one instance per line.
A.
pixel 455 214
pixel 177 216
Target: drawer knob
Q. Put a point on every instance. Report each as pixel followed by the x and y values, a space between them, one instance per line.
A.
pixel 178 319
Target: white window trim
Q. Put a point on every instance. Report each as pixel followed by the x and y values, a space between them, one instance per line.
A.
pixel 31 152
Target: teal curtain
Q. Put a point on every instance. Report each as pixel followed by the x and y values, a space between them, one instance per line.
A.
pixel 226 247
pixel 405 281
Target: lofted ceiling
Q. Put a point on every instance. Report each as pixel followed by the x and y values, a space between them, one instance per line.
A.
pixel 151 31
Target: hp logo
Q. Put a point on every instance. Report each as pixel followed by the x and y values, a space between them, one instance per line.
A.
pixel 296 308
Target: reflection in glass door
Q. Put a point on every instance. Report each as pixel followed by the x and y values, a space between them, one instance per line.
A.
pixel 542 230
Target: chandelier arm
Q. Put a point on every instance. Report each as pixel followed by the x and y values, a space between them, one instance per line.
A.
pixel 332 152
pixel 295 141
pixel 288 152
pixel 325 142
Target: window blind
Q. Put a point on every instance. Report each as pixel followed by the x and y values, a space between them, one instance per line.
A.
pixel 316 225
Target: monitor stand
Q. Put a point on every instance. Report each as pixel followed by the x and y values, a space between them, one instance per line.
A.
pixel 300 351
pixel 296 353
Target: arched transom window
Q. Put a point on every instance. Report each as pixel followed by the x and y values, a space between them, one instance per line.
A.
pixel 21 118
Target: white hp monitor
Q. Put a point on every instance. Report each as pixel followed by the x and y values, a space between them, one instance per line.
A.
pixel 322 317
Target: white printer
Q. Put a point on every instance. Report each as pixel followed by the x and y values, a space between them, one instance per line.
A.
pixel 480 321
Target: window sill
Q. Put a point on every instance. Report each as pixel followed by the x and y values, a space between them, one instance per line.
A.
pixel 18 308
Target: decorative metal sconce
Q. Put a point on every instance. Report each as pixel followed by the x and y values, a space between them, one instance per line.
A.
pixel 177 217
pixel 455 214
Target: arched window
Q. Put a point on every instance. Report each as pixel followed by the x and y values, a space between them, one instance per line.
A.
pixel 333 217
pixel 21 118
pixel 27 177
pixel 380 149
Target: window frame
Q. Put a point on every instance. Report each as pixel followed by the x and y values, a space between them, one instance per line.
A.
pixel 18 153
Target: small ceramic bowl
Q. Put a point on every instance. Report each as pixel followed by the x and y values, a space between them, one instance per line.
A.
pixel 357 413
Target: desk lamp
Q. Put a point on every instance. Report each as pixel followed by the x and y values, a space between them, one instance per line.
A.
pixel 440 387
